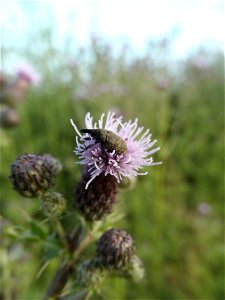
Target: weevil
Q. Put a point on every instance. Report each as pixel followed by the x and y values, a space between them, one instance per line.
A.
pixel 108 139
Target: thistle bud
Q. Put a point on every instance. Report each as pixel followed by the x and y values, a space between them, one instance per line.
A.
pixel 90 273
pixel 54 164
pixel 135 269
pixel 115 248
pixel 98 200
pixel 53 204
pixel 9 118
pixel 31 175
pixel 110 141
pixel 127 183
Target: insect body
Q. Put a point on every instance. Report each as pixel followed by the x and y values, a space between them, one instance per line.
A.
pixel 108 139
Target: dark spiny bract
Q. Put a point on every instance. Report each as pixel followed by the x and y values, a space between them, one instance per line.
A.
pixel 54 164
pixel 98 200
pixel 31 175
pixel 115 248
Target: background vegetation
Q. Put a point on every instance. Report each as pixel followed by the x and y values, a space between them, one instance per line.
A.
pixel 175 214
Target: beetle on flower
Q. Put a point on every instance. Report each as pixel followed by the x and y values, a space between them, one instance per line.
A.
pixel 114 147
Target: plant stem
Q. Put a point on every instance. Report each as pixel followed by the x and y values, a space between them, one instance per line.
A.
pixel 66 267
pixel 82 295
pixel 60 231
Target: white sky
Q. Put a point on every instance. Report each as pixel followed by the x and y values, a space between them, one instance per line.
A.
pixel 135 21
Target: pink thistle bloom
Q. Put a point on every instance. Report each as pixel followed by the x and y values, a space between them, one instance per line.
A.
pixel 27 73
pixel 99 160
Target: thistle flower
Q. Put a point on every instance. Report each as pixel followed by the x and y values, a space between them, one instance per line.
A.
pixel 27 73
pixel 115 248
pixel 98 200
pixel 101 159
pixel 31 175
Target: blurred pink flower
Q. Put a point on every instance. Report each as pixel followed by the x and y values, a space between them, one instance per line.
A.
pixel 204 208
pixel 99 160
pixel 27 73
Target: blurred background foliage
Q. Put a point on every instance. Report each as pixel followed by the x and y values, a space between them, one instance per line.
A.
pixel 175 214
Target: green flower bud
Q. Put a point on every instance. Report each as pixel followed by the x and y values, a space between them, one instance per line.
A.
pixel 31 175
pixel 135 269
pixel 90 273
pixel 53 204
pixel 98 200
pixel 108 139
pixel 115 248
pixel 54 164
pixel 127 183
pixel 9 118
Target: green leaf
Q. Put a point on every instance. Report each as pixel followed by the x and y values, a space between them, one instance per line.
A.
pixel 51 248
pixel 38 230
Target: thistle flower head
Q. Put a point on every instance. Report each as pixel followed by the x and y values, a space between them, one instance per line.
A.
pixel 31 175
pixel 27 73
pixel 114 147
pixel 98 200
pixel 115 248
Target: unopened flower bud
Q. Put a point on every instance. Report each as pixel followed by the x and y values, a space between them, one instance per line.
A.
pixel 115 248
pixel 13 94
pixel 110 141
pixel 53 204
pixel 9 118
pixel 127 183
pixel 135 269
pixel 54 164
pixel 31 175
pixel 98 199
pixel 90 273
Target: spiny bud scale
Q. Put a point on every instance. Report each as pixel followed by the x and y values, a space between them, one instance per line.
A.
pixel 31 175
pixel 54 164
pixel 90 273
pixel 127 183
pixel 135 269
pixel 98 199
pixel 53 204
pixel 115 248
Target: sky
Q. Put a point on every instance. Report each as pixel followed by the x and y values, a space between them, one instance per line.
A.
pixel 194 22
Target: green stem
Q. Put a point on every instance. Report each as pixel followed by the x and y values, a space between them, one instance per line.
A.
pixel 82 295
pixel 60 231
pixel 88 295
pixel 66 267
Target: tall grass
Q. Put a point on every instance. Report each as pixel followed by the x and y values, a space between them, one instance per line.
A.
pixel 181 244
